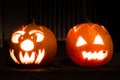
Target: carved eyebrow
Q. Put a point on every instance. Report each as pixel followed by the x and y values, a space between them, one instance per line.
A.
pixel 75 27
pixel 19 32
pixel 34 31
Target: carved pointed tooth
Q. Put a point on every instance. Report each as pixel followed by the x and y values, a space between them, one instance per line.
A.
pixel 89 52
pixel 26 59
pixel 42 51
pixel 94 55
pixel 40 56
pixel 94 52
pixel 13 56
pixel 39 51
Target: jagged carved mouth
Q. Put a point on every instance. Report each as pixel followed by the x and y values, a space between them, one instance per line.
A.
pixel 95 55
pixel 28 59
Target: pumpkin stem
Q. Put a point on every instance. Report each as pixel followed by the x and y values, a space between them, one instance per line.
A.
pixel 33 21
pixel 84 13
pixel 85 17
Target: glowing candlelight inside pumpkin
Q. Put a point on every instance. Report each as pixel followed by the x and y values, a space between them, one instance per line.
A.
pixel 33 44
pixel 28 59
pixel 27 45
pixel 95 55
pixel 89 44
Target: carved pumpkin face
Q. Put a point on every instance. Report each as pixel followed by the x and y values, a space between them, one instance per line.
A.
pixel 33 44
pixel 89 44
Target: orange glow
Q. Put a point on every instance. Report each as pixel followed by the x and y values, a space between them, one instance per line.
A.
pixel 40 56
pixel 39 35
pixel 27 45
pixel 16 35
pixel 95 55
pixel 80 41
pixel 98 40
pixel 26 59
pixel 12 56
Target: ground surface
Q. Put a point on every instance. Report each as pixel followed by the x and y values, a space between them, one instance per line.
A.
pixel 61 68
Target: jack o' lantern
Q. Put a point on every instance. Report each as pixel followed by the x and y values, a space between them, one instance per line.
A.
pixel 89 44
pixel 33 44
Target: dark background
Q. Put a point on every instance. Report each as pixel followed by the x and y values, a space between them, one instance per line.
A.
pixel 59 16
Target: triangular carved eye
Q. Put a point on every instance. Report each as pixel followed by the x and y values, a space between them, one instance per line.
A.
pixel 80 41
pixel 98 40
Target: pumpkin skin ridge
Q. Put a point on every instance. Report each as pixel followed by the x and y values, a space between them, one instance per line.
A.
pixel 49 43
pixel 73 51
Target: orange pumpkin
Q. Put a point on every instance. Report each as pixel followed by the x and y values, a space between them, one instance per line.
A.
pixel 89 44
pixel 33 44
